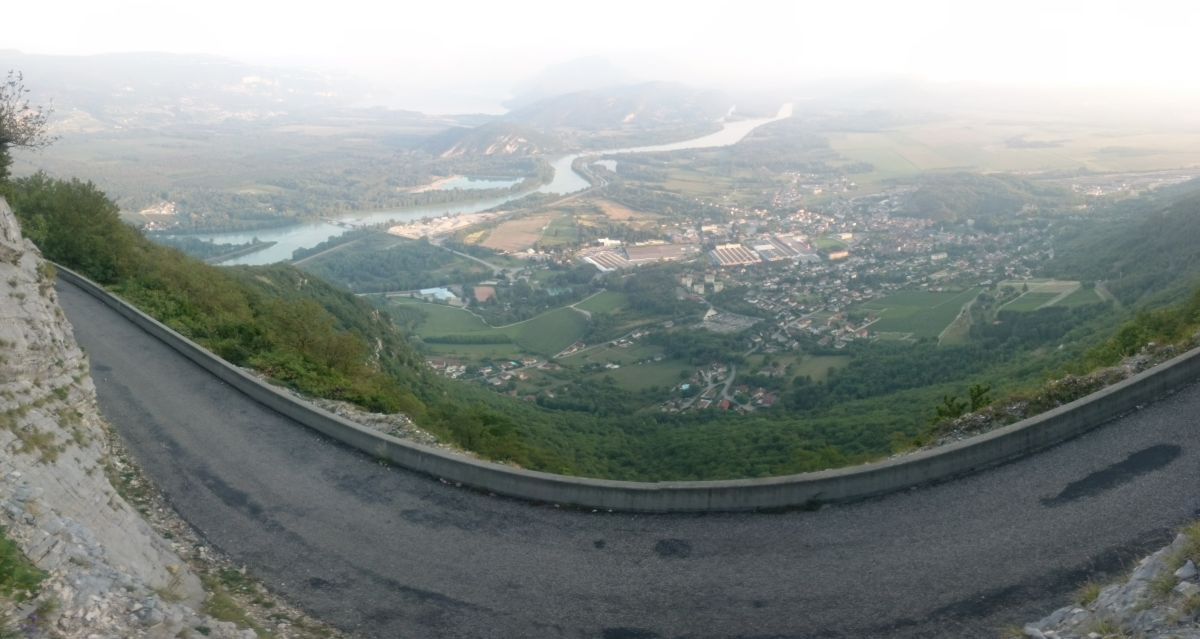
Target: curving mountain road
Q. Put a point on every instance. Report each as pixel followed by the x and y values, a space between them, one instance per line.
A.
pixel 383 552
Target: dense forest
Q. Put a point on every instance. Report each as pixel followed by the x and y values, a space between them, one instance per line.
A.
pixel 207 250
pixel 387 263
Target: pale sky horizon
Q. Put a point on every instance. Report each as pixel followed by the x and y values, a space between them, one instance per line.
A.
pixel 474 46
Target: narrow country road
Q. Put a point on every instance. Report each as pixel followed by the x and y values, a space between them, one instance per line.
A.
pixel 496 270
pixel 386 553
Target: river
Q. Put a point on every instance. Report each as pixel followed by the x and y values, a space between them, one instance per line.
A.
pixel 565 181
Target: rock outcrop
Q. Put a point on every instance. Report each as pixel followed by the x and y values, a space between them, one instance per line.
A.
pixel 1159 600
pixel 108 573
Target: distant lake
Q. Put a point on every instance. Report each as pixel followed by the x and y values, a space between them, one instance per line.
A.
pixel 566 181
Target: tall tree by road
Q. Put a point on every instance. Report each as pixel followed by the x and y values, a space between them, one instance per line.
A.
pixel 22 125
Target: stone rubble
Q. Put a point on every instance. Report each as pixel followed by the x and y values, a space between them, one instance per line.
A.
pixel 397 425
pixel 259 605
pixel 1055 393
pixel 1159 600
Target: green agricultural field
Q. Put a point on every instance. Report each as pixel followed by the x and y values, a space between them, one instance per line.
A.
pixel 550 332
pixel 919 313
pixel 639 377
pixel 616 355
pixel 1030 301
pixel 986 144
pixel 958 332
pixel 814 366
pixel 829 243
pixel 475 351
pixel 546 334
pixel 440 319
pixel 604 302
pixel 695 184
pixel 1042 285
pixel 817 366
pixel 1041 292
pixel 1081 297
pixel 562 231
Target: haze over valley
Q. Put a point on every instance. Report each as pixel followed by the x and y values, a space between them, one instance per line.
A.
pixel 620 250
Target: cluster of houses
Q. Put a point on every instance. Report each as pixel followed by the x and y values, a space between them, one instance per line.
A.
pixel 710 387
pixel 494 374
pixel 804 296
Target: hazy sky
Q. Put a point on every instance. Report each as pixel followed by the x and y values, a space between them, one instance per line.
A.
pixel 485 45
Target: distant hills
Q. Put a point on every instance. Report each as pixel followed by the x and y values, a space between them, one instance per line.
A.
pixel 134 93
pixel 958 196
pixel 493 138
pixel 652 111
pixel 650 105
pixel 581 74
pixel 144 90
pixel 1146 249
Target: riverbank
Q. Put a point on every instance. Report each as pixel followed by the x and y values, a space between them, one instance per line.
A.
pixel 566 181
pixel 435 185
pixel 440 226
pixel 246 250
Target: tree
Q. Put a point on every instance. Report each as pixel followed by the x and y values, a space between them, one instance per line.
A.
pixel 74 223
pixel 951 408
pixel 979 396
pixel 22 125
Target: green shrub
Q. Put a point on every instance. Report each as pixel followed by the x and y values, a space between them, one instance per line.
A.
pixel 19 578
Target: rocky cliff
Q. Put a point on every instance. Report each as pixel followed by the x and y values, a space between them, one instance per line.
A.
pixel 1160 599
pixel 108 574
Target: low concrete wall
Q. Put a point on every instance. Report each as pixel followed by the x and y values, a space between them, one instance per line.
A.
pixel 842 484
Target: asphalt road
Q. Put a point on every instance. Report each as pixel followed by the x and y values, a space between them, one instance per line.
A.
pixel 383 552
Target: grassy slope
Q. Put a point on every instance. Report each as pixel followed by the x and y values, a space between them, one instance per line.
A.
pixel 604 302
pixel 549 332
pixel 18 576
pixel 546 334
pixel 1146 250
pixel 923 313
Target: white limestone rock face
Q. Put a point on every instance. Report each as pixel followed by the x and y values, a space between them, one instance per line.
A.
pixel 1159 600
pixel 110 575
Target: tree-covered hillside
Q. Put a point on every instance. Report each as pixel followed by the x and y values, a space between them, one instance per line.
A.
pixel 1146 250
pixel 292 327
pixel 960 196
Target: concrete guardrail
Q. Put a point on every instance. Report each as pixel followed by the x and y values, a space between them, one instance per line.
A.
pixel 790 491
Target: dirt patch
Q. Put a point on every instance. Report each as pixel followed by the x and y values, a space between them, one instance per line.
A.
pixel 484 293
pixel 614 211
pixel 517 235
